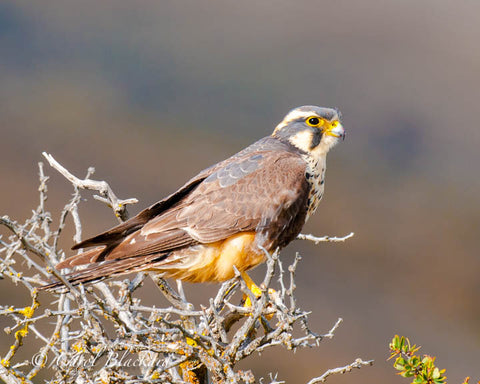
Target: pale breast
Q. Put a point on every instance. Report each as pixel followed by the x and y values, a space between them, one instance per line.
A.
pixel 315 174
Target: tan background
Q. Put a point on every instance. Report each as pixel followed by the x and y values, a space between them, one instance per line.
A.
pixel 150 92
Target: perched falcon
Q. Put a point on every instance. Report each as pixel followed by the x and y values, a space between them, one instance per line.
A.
pixel 221 218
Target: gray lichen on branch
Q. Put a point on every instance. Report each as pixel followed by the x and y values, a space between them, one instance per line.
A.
pixel 103 331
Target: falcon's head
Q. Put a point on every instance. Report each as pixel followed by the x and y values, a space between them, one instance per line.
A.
pixel 311 129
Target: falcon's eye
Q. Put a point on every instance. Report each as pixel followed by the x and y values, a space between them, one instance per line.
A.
pixel 314 121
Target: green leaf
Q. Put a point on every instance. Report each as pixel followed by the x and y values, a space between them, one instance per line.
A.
pixel 399 363
pixel 418 380
pixel 401 342
pixel 414 361
pixel 395 344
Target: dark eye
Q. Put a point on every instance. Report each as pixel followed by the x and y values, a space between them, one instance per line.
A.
pixel 313 121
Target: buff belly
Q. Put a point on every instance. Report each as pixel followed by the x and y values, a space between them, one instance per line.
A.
pixel 212 262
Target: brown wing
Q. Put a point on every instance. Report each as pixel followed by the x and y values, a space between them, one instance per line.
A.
pixel 119 232
pixel 226 203
pixel 116 234
pixel 262 189
pixel 229 201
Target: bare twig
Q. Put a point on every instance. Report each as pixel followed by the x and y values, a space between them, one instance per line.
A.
pixel 318 240
pixel 96 333
pixel 107 195
pixel 358 363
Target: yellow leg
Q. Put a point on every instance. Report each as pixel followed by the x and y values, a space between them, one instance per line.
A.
pixel 254 288
pixel 251 286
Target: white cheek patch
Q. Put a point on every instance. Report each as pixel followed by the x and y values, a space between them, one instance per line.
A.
pixel 302 140
pixel 327 143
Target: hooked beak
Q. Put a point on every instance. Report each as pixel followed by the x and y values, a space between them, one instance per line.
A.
pixel 336 129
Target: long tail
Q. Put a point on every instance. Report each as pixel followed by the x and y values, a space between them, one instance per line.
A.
pixel 99 271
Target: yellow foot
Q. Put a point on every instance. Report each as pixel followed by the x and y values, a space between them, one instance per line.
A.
pixel 255 289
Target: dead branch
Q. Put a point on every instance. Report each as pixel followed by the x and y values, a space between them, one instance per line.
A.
pixel 103 332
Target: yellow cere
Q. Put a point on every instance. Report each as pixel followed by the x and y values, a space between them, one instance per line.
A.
pixel 331 126
pixel 315 121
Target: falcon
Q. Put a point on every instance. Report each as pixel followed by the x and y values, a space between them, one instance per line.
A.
pixel 226 216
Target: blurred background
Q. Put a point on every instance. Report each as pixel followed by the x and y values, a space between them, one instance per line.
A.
pixel 151 92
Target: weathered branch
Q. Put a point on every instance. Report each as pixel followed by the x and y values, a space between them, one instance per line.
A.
pixel 107 195
pixel 93 333
pixel 318 240
pixel 358 363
